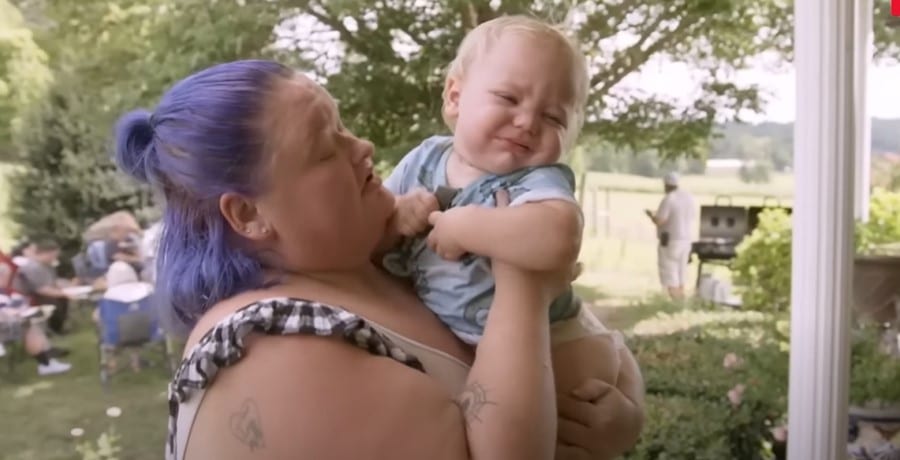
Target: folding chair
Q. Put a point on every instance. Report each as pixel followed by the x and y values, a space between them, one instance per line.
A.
pixel 128 325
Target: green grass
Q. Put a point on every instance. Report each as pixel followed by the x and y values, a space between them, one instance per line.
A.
pixel 40 412
pixel 619 248
pixel 780 186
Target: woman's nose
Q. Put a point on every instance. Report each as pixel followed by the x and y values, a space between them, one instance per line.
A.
pixel 364 151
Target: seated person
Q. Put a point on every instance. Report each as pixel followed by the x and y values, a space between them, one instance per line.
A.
pixel 15 325
pixel 22 251
pixel 119 245
pixel 123 286
pixel 37 280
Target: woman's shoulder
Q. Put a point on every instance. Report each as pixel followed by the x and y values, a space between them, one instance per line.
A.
pixel 304 387
pixel 305 390
pixel 222 337
pixel 275 314
pixel 222 311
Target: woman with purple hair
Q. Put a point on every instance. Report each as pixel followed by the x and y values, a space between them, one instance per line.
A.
pixel 299 346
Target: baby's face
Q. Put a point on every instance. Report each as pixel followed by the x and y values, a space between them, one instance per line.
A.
pixel 513 106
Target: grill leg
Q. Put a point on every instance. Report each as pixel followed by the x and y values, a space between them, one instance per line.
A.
pixel 699 272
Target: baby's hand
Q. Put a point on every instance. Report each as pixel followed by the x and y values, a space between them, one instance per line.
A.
pixel 411 212
pixel 445 236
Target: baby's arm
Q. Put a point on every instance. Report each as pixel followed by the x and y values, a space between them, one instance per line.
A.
pixel 409 219
pixel 411 203
pixel 539 230
pixel 537 236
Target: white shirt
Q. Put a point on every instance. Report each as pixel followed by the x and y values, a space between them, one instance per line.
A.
pixel 676 214
pixel 150 240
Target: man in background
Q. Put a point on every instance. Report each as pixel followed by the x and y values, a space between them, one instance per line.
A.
pixel 674 219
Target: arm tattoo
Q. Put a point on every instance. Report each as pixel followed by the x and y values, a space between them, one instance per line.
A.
pixel 246 426
pixel 472 399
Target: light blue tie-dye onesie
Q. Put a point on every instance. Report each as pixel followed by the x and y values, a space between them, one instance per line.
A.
pixel 460 292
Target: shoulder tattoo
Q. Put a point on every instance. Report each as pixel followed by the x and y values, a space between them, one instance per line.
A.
pixel 246 425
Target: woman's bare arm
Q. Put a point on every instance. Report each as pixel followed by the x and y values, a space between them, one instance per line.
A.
pixel 509 400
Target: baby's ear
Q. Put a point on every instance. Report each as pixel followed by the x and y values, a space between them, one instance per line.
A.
pixel 452 88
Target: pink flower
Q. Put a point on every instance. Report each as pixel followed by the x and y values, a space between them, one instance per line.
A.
pixel 736 394
pixel 780 433
pixel 731 361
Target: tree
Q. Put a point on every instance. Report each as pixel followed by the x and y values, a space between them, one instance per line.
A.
pixel 384 60
pixel 24 75
pixel 109 58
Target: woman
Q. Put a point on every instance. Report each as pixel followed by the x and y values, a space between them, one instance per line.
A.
pixel 272 214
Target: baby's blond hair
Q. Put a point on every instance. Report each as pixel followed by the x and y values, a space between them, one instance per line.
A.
pixel 479 40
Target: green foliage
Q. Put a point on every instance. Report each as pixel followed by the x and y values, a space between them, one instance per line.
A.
pixel 110 58
pixel 24 75
pixel 874 371
pixel 762 268
pixel 106 447
pixel 883 226
pixel 405 105
pixel 383 61
pixel 683 428
pixel 886 172
pixel 692 371
pixel 68 181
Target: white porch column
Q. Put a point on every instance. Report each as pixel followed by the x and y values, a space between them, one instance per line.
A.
pixel 824 145
pixel 864 50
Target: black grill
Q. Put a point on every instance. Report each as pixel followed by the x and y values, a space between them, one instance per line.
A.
pixel 722 228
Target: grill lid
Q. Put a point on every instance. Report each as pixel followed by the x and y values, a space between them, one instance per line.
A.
pixel 724 221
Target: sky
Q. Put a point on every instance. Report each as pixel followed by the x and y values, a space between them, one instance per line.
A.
pixel 675 80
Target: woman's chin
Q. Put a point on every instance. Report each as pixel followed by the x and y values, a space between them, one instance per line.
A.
pixel 382 200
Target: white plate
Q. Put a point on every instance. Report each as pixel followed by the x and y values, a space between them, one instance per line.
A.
pixel 78 291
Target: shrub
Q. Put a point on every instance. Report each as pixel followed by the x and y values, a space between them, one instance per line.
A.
pixel 762 267
pixel 683 428
pixel 874 372
pixel 693 367
pixel 68 179
pixel 883 226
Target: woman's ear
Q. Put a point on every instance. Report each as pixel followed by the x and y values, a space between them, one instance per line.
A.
pixel 243 217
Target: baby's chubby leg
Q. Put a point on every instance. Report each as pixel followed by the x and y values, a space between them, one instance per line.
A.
pixel 593 357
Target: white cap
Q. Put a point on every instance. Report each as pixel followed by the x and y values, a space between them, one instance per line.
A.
pixel 671 179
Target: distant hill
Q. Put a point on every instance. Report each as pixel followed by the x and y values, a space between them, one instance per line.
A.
pixel 763 148
pixel 885 137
